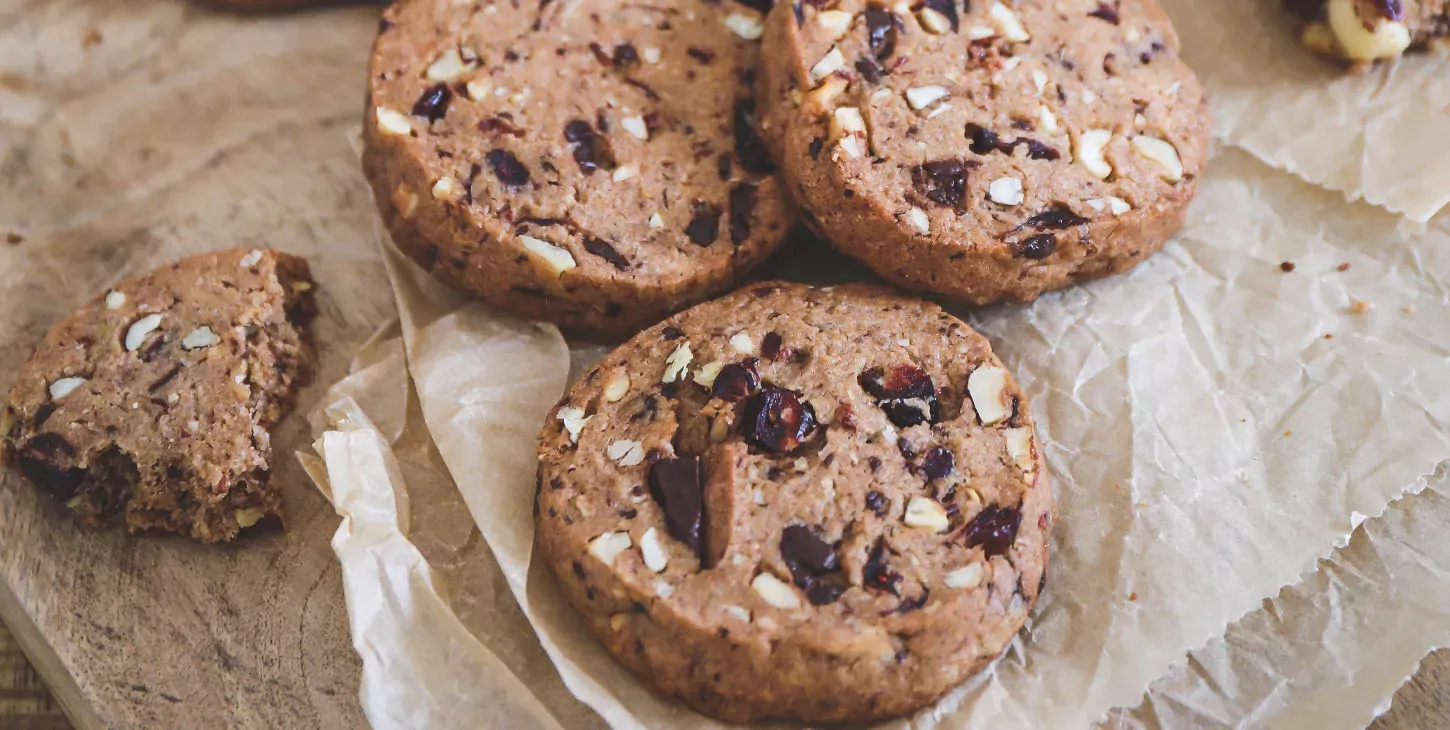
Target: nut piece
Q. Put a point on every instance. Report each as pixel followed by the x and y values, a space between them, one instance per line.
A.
pixel 1088 150
pixel 677 363
pixel 1009 23
pixel 405 201
pixel 848 126
pixel 136 334
pixel 476 89
pixel 967 577
pixel 250 259
pixel 834 22
pixel 921 97
pixel 926 514
pixel 609 545
pixel 1046 120
pixel 988 387
pixel 656 221
pixel 616 622
pixel 624 172
pixel 933 22
pixel 448 66
pixel 739 612
pixel 1366 41
pixel 115 299
pixel 247 517
pixel 447 189
pixel 706 374
pixel 775 592
pixel 1005 191
pixel 636 127
pixel 817 102
pixel 918 220
pixel 830 63
pixel 616 385
pixel 653 552
pixel 556 259
pixel 741 343
pixel 651 54
pixel 199 338
pixel 626 453
pixel 62 388
pixel 1160 153
pixel 574 420
pixel 1039 80
pixel 1019 447
pixel 748 27
pixel 392 122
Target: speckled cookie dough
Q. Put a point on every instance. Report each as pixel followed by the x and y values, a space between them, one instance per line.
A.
pixel 989 150
pixel 1362 32
pixel 798 503
pixel 591 163
pixel 154 401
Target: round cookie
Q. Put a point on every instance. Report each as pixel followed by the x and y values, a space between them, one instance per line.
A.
pixel 825 505
pixel 988 150
pixel 153 401
pixel 589 163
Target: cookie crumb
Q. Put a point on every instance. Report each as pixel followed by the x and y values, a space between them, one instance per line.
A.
pixel 1357 306
pixel 1286 267
pixel 1342 267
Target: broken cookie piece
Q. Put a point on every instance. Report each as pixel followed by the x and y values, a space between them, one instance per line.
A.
pixel 152 403
pixel 1362 32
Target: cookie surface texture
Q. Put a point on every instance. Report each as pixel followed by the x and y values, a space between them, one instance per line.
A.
pixel 152 403
pixel 594 164
pixel 989 150
pixel 798 503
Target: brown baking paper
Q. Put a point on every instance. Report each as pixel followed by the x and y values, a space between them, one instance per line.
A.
pixel 1382 135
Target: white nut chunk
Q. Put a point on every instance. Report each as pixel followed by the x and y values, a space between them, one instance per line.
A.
pixel 849 127
pixel 636 127
pixel 137 332
pixel 1162 154
pixel 447 189
pixel 609 545
pixel 1009 24
pixel 573 420
pixel 1005 191
pixel 115 300
pixel 968 577
pixel 652 551
pixel 393 122
pixel 918 220
pixel 626 453
pixel 775 592
pixel 925 513
pixel 616 385
pixel 933 22
pixel 1019 447
pixel 707 373
pixel 1366 39
pixel 834 22
pixel 252 258
pixel 553 257
pixel 199 338
pixel 741 343
pixel 748 27
pixel 63 387
pixel 921 97
pixel 987 386
pixel 677 363
pixel 1088 148
pixel 830 63
pixel 818 101
pixel 448 66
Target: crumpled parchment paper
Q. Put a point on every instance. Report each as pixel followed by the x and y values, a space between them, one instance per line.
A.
pixel 1214 425
pixel 1383 135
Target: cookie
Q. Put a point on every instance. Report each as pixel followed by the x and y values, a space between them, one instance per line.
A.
pixel 591 163
pixel 990 150
pixel 153 401
pixel 1364 31
pixel 824 505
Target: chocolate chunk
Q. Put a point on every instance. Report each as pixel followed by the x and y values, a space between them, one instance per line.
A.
pixel 748 145
pixel 603 250
pixel 591 151
pixel 906 394
pixel 742 205
pixel 943 182
pixel 994 529
pixel 41 459
pixel 42 414
pixel 947 8
pixel 625 55
pixel 1106 12
pixel 877 502
pixel 763 6
pixel 1035 150
pixel 1390 9
pixel 508 169
pixel 722 166
pixel 985 141
pixel 876 574
pixel 671 333
pixel 815 148
pixel 938 463
pixel 870 69
pixel 578 130
pixel 1036 247
pixel 704 226
pixel 770 345
pixel 826 590
pixel 881 32
pixel 807 554
pixel 736 380
pixel 675 484
pixel 1055 219
pixel 776 420
pixel 433 104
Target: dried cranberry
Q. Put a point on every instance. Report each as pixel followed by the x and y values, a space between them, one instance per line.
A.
pixel 578 130
pixel 40 460
pixel 826 590
pixel 906 394
pixel 807 554
pixel 947 8
pixel 938 463
pixel 876 502
pixel 748 145
pixel 433 104
pixel 942 181
pixel 603 250
pixel 1036 247
pixel 984 141
pixel 777 420
pixel 509 170
pixel 701 55
pixel 742 205
pixel 704 226
pixel 994 528
pixel 1055 219
pixel 770 345
pixel 876 574
pixel 1106 12
pixel 625 55
pixel 1035 150
pixel 501 124
pixel 881 32
pixel 736 380
pixel 817 144
pixel 675 484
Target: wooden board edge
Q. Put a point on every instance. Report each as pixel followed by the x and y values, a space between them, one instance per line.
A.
pixel 47 663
